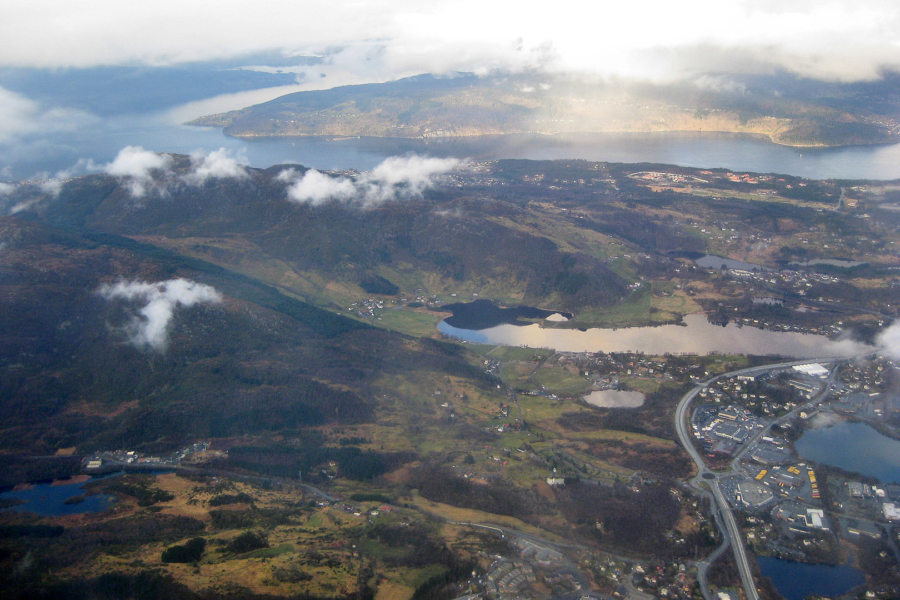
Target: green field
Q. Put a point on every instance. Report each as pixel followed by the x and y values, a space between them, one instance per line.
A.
pixel 561 382
pixel 512 378
pixel 411 322
pixel 270 552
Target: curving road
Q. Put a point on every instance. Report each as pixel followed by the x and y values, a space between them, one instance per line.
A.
pixel 731 534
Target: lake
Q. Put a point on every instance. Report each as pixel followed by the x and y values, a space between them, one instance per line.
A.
pixel 711 261
pixel 853 447
pixel 49 499
pixel 101 139
pixel 796 581
pixel 483 314
pixel 615 399
pixel 697 336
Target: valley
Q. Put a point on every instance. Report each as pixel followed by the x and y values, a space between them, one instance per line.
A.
pixel 349 448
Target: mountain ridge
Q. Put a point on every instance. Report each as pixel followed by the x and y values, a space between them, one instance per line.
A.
pixel 427 106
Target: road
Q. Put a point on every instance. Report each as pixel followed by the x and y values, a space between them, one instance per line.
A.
pixel 731 533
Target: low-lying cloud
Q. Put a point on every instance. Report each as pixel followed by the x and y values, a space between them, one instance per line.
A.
pixel 397 178
pixel 218 164
pixel 21 117
pixel 155 305
pixel 138 167
pixel 889 341
pixel 144 170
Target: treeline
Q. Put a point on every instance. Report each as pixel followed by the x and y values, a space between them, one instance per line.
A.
pixel 634 521
pixel 226 499
pixel 289 462
pixel 136 486
pixel 414 545
pixel 647 232
pixel 49 550
pixel 441 484
pixel 190 551
pixel 142 585
pixel 18 469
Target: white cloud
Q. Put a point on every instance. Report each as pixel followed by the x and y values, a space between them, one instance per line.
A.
pixel 219 164
pixel 316 188
pixel 396 178
pixel 137 166
pixel 835 39
pixel 149 325
pixel 405 176
pixel 889 341
pixel 6 188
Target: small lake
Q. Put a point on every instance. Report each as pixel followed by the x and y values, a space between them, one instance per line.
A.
pixel 615 399
pixel 49 499
pixel 796 581
pixel 711 261
pixel 483 314
pixel 853 447
pixel 697 336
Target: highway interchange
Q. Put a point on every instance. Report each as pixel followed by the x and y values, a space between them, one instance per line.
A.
pixel 706 482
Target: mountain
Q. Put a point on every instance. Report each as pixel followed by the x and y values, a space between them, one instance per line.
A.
pixel 256 362
pixel 288 317
pixel 441 242
pixel 786 109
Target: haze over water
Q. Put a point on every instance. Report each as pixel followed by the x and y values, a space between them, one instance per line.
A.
pixel 101 141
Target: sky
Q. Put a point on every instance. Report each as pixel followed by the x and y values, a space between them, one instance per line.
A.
pixel 838 40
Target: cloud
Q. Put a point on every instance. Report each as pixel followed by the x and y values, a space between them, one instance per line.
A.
pixel 6 188
pixel 889 341
pixel 408 176
pixel 830 39
pixel 21 117
pixel 219 164
pixel 137 166
pixel 396 178
pixel 52 185
pixel 149 325
pixel 317 188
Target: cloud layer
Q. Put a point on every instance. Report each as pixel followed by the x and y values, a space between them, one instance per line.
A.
pixel 834 39
pixel 396 178
pixel 155 306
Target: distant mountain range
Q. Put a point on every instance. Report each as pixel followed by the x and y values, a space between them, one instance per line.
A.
pixel 788 110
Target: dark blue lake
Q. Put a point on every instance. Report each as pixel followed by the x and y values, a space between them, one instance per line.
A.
pixel 796 581
pixel 49 500
pixel 853 447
